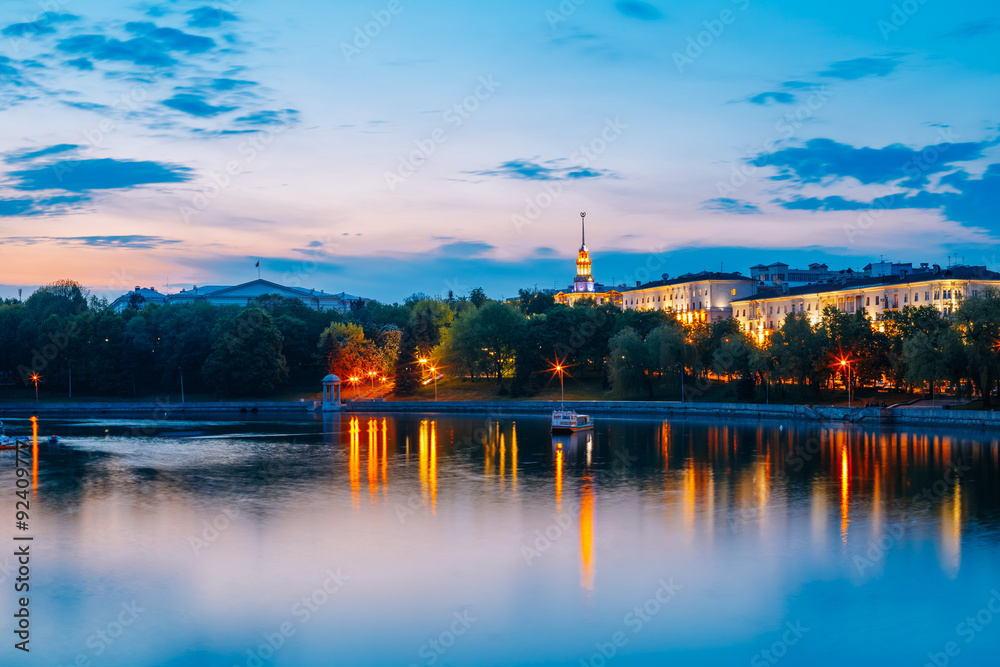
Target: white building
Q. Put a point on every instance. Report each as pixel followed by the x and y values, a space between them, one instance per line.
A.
pixel 241 295
pixel 697 297
pixel 765 311
pixel 138 299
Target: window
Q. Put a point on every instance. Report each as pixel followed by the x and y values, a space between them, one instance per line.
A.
pixel 916 297
pixel 868 301
pixel 906 298
pixel 876 301
pixel 771 311
pixel 733 292
pixel 975 292
pixel 937 295
pixel 927 296
pixel 809 307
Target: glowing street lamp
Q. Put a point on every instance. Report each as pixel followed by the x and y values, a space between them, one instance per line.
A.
pixel 434 373
pixel 845 362
pixel 559 369
pixel 35 377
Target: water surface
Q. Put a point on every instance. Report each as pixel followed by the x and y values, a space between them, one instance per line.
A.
pixel 442 540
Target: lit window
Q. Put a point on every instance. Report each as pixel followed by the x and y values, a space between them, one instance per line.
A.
pixel 733 292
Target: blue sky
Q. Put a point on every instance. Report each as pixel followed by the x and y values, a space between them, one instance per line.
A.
pixel 388 147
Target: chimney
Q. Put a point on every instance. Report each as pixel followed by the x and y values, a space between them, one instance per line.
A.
pixel 638 283
pixel 137 288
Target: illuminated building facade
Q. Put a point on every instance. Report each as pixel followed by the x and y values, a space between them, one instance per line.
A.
pixel 698 297
pixel 765 311
pixel 584 286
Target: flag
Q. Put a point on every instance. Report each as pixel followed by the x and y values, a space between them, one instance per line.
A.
pixel 258 263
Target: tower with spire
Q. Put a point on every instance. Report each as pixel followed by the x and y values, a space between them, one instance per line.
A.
pixel 584 281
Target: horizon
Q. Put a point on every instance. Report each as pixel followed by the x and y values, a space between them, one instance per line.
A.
pixel 178 143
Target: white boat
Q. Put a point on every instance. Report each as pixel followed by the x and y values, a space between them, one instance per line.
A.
pixel 569 420
pixel 6 442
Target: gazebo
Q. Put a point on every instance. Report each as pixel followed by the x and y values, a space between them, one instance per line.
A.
pixel 331 392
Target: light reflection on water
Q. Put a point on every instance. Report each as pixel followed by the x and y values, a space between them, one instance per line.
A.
pixel 879 542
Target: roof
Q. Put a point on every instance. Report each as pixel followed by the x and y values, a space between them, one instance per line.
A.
pixel 953 273
pixel 270 288
pixel 691 278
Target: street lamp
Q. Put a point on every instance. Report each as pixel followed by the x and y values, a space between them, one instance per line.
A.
pixel 434 373
pixel 846 363
pixel 34 378
pixel 559 369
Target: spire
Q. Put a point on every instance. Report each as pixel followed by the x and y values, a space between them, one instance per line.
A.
pixel 583 230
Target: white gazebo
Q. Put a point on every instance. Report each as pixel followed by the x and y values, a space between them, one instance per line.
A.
pixel 331 392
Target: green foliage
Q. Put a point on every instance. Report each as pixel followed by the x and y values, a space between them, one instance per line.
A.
pixel 628 364
pixel 978 320
pixel 478 297
pixel 246 355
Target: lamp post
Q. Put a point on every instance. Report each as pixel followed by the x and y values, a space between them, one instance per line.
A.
pixel 562 391
pixel 34 378
pixel 681 365
pixel 434 373
pixel 181 370
pixel 843 363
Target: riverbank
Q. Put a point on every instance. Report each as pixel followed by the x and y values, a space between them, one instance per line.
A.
pixel 903 416
pixel 742 411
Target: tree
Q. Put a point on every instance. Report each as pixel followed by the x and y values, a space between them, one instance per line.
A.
pixel 800 352
pixel 246 355
pixel 427 320
pixel 407 373
pixel 978 320
pixel 478 297
pixel 347 352
pixel 628 364
pixel 497 327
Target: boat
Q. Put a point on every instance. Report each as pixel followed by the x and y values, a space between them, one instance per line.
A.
pixel 5 441
pixel 564 420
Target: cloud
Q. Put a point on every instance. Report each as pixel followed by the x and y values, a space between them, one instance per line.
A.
pixel 973 201
pixel 208 17
pixel 825 159
pixel 141 50
pixel 37 207
pixel 464 249
pixel 13 207
pixel 231 84
pixel 171 38
pixel 152 45
pixel 195 105
pixel 772 97
pixel 639 10
pixel 43 26
pixel 26 155
pixel 727 205
pixel 550 170
pixel 105 174
pixel 80 64
pixel 975 29
pixel 124 241
pixel 282 117
pixel 858 68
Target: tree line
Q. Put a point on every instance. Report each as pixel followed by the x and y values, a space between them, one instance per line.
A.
pixel 271 343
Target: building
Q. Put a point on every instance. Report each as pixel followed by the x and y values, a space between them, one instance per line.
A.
pixel 584 286
pixel 241 295
pixel 693 297
pixel 765 311
pixel 779 274
pixel 138 299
